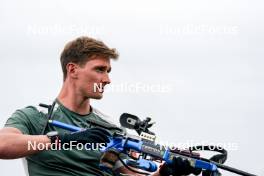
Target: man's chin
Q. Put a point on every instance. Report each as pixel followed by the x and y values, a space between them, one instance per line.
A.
pixel 97 97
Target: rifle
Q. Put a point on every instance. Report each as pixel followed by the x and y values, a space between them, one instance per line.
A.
pixel 150 152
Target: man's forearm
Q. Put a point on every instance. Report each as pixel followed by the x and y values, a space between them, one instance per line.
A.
pixel 124 170
pixel 156 174
pixel 16 145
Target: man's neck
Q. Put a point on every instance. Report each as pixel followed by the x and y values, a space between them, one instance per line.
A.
pixel 73 101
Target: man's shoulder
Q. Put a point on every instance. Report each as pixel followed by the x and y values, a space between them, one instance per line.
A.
pixel 32 111
pixel 28 120
pixel 27 111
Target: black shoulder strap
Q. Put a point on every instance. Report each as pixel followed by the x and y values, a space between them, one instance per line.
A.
pixel 49 114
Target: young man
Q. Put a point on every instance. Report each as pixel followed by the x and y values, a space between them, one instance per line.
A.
pixel 86 66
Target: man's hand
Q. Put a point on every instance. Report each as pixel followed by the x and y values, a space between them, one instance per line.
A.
pixel 178 167
pixel 92 135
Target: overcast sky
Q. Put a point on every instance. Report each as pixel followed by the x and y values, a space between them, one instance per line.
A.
pixel 195 67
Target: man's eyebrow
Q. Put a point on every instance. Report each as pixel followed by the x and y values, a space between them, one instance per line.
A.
pixel 104 67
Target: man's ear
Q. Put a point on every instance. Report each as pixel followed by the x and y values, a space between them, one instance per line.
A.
pixel 72 70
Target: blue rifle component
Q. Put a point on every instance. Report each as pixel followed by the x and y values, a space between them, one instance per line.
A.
pixel 122 144
pixel 65 126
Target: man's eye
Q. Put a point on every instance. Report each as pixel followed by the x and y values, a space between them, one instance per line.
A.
pixel 100 69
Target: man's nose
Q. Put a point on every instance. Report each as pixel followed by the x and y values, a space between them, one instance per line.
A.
pixel 106 79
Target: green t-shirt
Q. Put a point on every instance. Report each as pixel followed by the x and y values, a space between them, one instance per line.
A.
pixel 58 162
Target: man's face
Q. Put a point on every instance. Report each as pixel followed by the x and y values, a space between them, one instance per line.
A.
pixel 92 77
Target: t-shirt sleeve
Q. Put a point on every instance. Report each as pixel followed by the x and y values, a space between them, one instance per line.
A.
pixel 20 119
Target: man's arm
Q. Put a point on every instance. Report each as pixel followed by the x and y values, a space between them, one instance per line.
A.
pixel 14 144
pixel 124 170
